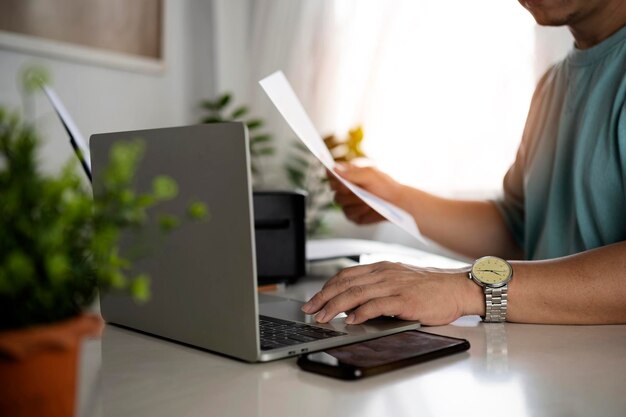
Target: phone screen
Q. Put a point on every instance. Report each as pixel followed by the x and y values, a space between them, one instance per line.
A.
pixel 381 355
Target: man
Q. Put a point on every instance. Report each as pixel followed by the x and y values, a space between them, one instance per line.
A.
pixel 562 218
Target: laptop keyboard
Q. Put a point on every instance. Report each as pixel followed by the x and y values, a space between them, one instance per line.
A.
pixel 277 333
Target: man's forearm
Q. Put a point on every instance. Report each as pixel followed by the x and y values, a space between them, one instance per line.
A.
pixel 470 228
pixel 586 288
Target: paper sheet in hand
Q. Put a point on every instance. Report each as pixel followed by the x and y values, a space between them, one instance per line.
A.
pixel 284 98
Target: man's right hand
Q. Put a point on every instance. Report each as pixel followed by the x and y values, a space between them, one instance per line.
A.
pixel 370 179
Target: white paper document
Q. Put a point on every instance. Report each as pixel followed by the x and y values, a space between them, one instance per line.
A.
pixel 284 98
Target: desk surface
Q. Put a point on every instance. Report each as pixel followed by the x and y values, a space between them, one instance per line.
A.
pixel 510 370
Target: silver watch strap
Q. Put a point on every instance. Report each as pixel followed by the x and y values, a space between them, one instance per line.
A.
pixel 496 301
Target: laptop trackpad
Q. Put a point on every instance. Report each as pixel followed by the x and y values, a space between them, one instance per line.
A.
pixel 288 309
pixel 282 308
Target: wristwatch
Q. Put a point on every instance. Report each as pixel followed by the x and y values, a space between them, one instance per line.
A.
pixel 493 274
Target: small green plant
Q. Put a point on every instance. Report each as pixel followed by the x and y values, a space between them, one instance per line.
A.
pixel 221 109
pixel 306 173
pixel 58 244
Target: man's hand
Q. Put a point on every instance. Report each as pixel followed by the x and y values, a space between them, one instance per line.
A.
pixel 431 296
pixel 371 180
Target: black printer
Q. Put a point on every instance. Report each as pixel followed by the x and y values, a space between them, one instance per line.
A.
pixel 280 231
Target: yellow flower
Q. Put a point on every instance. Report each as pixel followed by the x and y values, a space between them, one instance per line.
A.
pixel 347 149
pixel 355 138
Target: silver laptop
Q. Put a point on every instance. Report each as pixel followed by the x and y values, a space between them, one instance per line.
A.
pixel 203 277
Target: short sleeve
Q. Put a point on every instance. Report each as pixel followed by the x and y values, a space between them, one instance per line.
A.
pixel 512 202
pixel 621 142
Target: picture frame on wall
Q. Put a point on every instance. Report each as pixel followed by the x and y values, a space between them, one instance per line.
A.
pixel 121 34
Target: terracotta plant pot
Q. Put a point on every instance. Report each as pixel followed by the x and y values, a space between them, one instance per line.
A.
pixel 38 367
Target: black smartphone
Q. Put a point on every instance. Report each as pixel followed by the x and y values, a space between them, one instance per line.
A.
pixel 380 355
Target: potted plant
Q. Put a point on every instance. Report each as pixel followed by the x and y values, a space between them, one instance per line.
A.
pixel 57 248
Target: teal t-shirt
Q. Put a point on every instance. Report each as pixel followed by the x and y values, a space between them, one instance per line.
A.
pixel 566 191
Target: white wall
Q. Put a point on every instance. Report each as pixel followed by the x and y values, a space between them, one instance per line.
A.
pixel 551 45
pixel 105 99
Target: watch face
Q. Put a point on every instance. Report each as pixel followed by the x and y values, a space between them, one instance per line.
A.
pixel 492 271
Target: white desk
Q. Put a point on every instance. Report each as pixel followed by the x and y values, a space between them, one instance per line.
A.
pixel 510 370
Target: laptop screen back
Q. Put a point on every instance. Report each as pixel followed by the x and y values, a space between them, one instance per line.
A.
pixel 203 278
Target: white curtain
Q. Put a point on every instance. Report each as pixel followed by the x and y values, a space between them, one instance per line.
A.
pixel 290 36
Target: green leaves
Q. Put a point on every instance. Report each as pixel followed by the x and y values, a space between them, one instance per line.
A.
pixel 34 77
pixel 140 288
pixel 218 104
pixel 256 140
pixel 212 119
pixel 254 124
pixel 198 211
pixel 19 266
pixel 57 268
pixel 124 157
pixel 164 188
pixel 238 113
pixel 167 222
